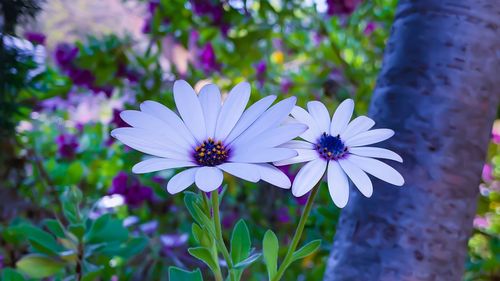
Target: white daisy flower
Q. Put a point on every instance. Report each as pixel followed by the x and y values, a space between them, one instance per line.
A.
pixel 340 148
pixel 210 137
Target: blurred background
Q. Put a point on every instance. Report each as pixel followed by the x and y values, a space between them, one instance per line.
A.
pixel 69 68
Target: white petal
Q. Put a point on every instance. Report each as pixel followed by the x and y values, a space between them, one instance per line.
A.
pixel 210 101
pixel 274 176
pixel 158 164
pixel 358 125
pixel 141 120
pixel 341 117
pixel 263 155
pixel 308 177
pixel 245 171
pixel 369 137
pixel 269 119
pixel 320 114
pixel 377 169
pixel 181 181
pixel 271 138
pixel 231 111
pixel 166 115
pixel 376 152
pixel 249 116
pixel 150 143
pixel 297 144
pixel 190 110
pixel 313 133
pixel 338 184
pixel 304 155
pixel 358 177
pixel 208 178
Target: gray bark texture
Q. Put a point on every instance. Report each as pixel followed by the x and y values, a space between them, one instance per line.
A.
pixel 439 90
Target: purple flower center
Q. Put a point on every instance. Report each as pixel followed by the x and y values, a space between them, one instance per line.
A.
pixel 210 153
pixel 330 147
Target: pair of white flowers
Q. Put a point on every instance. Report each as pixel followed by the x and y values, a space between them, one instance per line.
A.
pixel 209 138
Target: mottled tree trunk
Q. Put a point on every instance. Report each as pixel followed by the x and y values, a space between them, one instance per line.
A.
pixel 439 89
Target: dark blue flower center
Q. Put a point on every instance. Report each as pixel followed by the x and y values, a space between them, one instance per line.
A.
pixel 330 147
pixel 210 153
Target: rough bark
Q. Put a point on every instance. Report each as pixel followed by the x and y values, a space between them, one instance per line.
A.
pixel 439 89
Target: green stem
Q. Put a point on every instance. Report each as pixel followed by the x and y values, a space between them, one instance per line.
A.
pixel 218 232
pixel 298 234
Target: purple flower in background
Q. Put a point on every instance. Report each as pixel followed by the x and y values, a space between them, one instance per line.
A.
pixel 1 262
pixel 172 241
pixel 131 189
pixel 285 86
pixel 67 145
pixel 213 10
pixel 341 7
pixel 370 28
pixel 283 215
pixel 153 5
pixel 487 174
pixel 35 37
pixel 260 72
pixel 229 218
pixel 65 54
pixel 81 77
pixel 117 121
pixel 208 60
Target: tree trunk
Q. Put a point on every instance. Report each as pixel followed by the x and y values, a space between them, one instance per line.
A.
pixel 439 89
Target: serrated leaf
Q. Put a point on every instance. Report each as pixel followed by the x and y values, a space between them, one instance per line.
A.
pixel 205 256
pixel 306 250
pixel 270 247
pixel 39 266
pixel 240 242
pixel 248 261
pixel 10 274
pixel 178 274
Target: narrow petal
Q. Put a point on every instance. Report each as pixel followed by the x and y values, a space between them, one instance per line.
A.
pixel 249 116
pixel 272 137
pixel 298 144
pixel 231 111
pixel 377 169
pixel 210 101
pixel 369 137
pixel 304 155
pixel 244 171
pixel 308 177
pixel 320 114
pixel 376 152
pixel 190 110
pixel 158 164
pixel 269 119
pixel 338 184
pixel 150 143
pixel 358 177
pixel 313 133
pixel 263 155
pixel 166 115
pixel 358 125
pixel 149 123
pixel 341 117
pixel 208 178
pixel 274 176
pixel 181 181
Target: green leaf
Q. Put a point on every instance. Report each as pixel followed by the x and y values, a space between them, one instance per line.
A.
pixel 106 229
pixel 93 275
pixel 240 242
pixel 178 274
pixel 10 274
pixel 248 261
pixel 306 250
pixel 55 227
pixel 190 200
pixel 270 247
pixel 205 256
pixel 78 230
pixel 39 266
pixel 41 240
